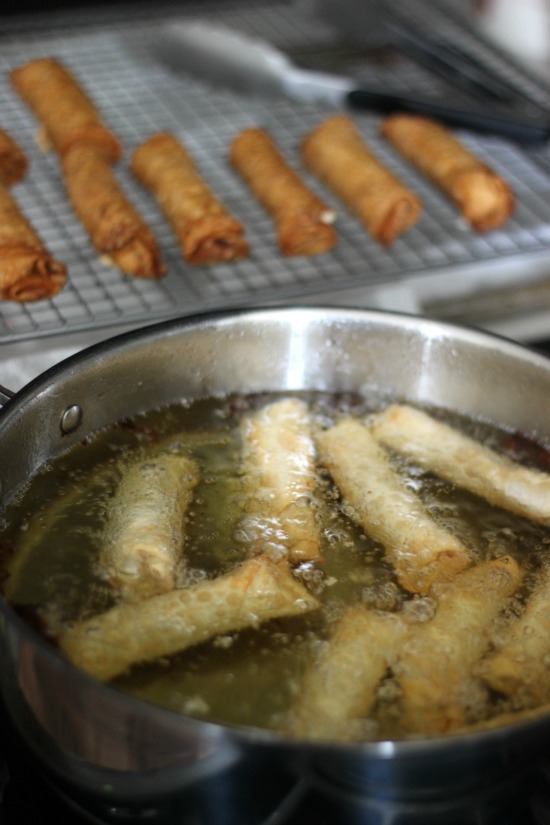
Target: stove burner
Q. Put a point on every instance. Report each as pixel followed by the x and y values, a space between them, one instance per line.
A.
pixel 27 797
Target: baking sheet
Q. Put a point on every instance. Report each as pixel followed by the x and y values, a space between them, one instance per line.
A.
pixel 112 56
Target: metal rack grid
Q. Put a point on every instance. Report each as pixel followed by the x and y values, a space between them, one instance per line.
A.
pixel 113 59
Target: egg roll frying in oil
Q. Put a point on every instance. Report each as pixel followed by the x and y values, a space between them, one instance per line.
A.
pixel 339 690
pixel 280 476
pixel 520 666
pixel 465 462
pixel 435 668
pixel 143 537
pixel 422 551
pixel 256 591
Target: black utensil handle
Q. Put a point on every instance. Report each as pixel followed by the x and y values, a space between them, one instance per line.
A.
pixel 533 130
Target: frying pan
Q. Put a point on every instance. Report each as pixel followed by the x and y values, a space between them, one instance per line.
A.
pixel 124 756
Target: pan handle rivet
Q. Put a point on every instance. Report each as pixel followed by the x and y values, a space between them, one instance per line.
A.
pixel 71 418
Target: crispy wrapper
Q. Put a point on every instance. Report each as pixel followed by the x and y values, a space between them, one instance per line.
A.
pixel 521 665
pixel 483 197
pixel 280 476
pixel 66 114
pixel 144 531
pixel 337 153
pixel 435 669
pixel 115 228
pixel 464 462
pixel 422 551
pixel 27 270
pixel 303 221
pixel 257 591
pixel 340 688
pixel 207 233
pixel 13 161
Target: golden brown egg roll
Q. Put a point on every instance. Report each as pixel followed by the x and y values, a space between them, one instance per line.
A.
pixel 143 536
pixel 422 551
pixel 436 666
pixel 340 688
pixel 520 667
pixel 207 233
pixel 27 270
pixel 66 114
pixel 280 476
pixel 13 161
pixel 337 153
pixel 482 196
pixel 258 590
pixel 464 462
pixel 303 222
pixel 115 228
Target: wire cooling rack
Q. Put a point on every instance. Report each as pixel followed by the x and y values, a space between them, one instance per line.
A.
pixel 110 53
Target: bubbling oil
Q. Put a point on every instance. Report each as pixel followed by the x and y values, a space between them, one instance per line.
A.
pixel 251 677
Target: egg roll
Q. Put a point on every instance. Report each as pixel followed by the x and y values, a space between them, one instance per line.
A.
pixel 337 153
pixel 520 666
pixel 278 468
pixel 482 196
pixel 143 536
pixel 207 233
pixel 436 666
pixel 67 115
pixel 258 590
pixel 340 688
pixel 28 272
pixel 303 222
pixel 377 498
pixel 13 161
pixel 465 462
pixel 115 228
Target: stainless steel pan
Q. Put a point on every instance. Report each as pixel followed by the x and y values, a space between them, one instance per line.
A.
pixel 123 755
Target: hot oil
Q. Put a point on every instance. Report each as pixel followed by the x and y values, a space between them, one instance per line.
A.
pixel 251 677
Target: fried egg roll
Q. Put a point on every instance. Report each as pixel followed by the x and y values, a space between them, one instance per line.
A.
pixel 66 114
pixel 337 153
pixel 464 462
pixel 303 222
pixel 340 688
pixel 207 233
pixel 13 161
pixel 115 228
pixel 484 198
pixel 144 531
pixel 520 666
pixel 422 551
pixel 27 270
pixel 258 590
pixel 280 476
pixel 435 669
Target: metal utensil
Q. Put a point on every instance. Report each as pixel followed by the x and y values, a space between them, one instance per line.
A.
pixel 249 65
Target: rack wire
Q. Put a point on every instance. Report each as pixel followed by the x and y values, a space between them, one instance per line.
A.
pixel 112 55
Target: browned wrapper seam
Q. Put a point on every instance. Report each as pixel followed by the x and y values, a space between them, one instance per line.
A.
pixel 67 115
pixel 113 225
pixel 207 233
pixel 484 198
pixel 27 270
pixel 303 221
pixel 13 161
pixel 337 153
